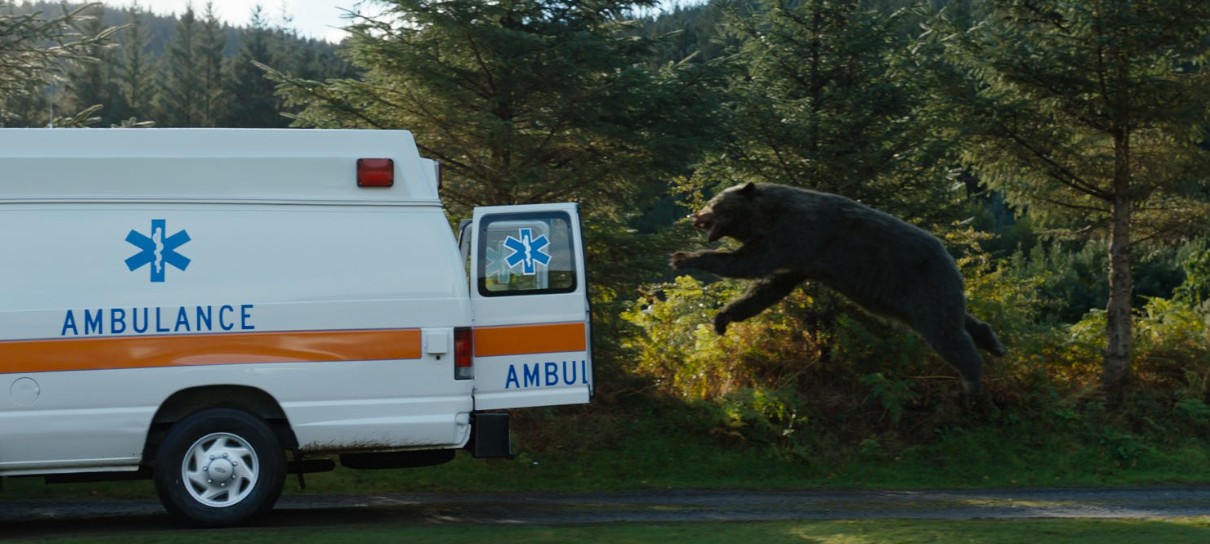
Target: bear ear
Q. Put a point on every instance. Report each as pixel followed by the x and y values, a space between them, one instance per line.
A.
pixel 748 189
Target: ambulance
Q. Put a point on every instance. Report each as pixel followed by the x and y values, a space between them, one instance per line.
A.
pixel 214 309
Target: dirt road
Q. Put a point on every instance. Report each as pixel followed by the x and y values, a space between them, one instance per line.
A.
pixel 47 517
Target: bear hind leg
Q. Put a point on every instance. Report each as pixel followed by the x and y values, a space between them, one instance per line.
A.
pixel 983 336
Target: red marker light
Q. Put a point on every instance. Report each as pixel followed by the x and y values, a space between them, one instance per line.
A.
pixel 463 347
pixel 375 172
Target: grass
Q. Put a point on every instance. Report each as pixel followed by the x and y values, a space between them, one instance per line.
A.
pixel 1168 531
pixel 644 443
pixel 649 444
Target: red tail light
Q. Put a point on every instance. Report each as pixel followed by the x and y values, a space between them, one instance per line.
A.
pixel 464 368
pixel 375 172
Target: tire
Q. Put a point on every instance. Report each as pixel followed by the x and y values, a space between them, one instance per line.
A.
pixel 219 467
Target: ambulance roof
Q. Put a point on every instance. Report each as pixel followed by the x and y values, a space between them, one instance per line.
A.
pixel 217 165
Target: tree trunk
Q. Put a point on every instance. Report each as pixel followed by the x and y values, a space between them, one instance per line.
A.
pixel 1121 287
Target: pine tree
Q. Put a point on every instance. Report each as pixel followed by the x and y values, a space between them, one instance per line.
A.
pixel 33 47
pixel 210 45
pixel 819 104
pixel 181 100
pixel 256 105
pixel 136 78
pixel 521 100
pixel 1091 114
pixel 88 83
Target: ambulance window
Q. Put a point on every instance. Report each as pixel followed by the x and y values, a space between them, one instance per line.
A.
pixel 526 254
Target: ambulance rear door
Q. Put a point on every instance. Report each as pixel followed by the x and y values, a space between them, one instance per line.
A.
pixel 529 295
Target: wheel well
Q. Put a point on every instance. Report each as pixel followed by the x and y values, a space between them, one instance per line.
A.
pixel 186 402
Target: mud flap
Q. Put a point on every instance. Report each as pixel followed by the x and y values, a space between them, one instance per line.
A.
pixel 489 438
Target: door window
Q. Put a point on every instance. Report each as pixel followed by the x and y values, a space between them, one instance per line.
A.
pixel 526 254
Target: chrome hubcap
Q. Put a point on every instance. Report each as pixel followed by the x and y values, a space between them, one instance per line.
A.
pixel 220 469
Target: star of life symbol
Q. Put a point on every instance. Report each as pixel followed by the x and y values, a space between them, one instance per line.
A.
pixel 157 250
pixel 527 252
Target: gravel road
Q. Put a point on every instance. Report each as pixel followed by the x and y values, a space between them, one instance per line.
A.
pixel 27 518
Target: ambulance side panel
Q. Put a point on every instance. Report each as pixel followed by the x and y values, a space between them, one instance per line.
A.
pixel 342 313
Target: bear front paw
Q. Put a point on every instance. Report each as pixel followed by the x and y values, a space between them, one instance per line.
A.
pixel 680 260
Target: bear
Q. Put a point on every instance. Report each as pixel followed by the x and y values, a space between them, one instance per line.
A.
pixel 883 264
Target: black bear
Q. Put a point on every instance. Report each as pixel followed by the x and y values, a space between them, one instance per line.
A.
pixel 885 265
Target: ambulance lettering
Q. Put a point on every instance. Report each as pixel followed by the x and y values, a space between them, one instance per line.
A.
pixel 548 374
pixel 116 321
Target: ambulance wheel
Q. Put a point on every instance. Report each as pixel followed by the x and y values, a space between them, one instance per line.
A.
pixel 219 467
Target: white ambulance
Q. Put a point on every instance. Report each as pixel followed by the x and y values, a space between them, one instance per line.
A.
pixel 189 305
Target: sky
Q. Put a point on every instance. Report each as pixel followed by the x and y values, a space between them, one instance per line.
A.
pixel 319 19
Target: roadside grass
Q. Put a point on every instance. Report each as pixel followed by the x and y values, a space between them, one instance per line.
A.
pixel 1052 531
pixel 651 444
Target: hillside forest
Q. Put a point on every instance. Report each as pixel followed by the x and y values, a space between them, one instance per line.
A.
pixel 1058 148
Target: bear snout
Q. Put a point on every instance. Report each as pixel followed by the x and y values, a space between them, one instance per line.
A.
pixel 703 219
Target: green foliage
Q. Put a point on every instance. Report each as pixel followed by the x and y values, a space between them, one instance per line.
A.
pixel 257 106
pixel 774 419
pixel 1123 448
pixel 35 48
pixel 91 84
pixel 688 32
pixel 893 396
pixel 821 101
pixel 675 343
pixel 1071 280
pixel 125 71
pixel 210 45
pixel 135 73
pixel 181 97
pixel 522 101
pixel 1041 93
pixel 1195 291
pixel 1070 110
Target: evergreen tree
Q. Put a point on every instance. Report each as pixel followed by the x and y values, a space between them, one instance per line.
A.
pixel 1090 113
pixel 33 47
pixel 212 40
pixel 821 103
pixel 521 100
pixel 88 83
pixel 181 100
pixel 256 105
pixel 136 78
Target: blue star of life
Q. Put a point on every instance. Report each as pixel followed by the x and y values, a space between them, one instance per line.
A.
pixel 527 251
pixel 157 250
pixel 496 265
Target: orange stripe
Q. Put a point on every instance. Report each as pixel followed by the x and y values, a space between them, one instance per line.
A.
pixel 207 349
pixel 523 339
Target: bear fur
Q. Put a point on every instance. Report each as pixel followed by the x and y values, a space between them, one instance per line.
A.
pixel 885 265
